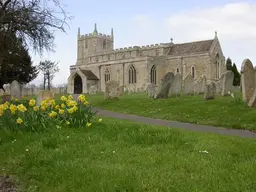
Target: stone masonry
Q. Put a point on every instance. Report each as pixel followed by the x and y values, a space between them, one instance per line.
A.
pixel 98 62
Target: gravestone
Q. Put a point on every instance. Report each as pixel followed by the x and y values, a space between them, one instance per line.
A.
pixel 197 86
pixel 165 86
pixel 252 101
pixel 247 80
pixel 42 95
pixel 188 85
pixel 92 90
pixel 176 86
pixel 75 97
pixel 210 91
pixel 151 90
pixel 112 90
pixel 15 89
pixel 203 84
pixel 121 90
pixel 218 90
pixel 227 82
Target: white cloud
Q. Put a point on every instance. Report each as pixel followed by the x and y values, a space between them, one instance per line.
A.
pixel 235 24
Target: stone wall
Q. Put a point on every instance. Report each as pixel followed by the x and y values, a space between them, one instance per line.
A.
pixel 34 91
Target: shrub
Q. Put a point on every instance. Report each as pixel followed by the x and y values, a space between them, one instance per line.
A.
pixel 26 115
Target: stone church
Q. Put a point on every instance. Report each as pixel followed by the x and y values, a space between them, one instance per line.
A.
pixel 135 67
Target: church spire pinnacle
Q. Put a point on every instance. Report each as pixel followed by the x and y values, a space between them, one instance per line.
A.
pixel 112 32
pixel 95 32
pixel 78 32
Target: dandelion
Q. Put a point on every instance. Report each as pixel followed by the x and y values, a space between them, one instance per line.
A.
pixel 67 122
pixel 100 120
pixel 19 121
pixel 32 102
pixel 52 114
pixel 88 124
pixel 35 108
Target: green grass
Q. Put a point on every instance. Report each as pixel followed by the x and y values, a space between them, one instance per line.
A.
pixel 223 111
pixel 125 156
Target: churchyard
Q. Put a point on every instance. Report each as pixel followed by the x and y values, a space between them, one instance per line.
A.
pixel 57 143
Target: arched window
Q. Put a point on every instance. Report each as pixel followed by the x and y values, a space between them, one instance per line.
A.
pixel 217 65
pixel 104 44
pixel 177 70
pixel 193 72
pixel 153 75
pixel 107 75
pixel 132 74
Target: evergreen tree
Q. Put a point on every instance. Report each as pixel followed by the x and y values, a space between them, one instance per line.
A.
pixel 237 75
pixel 229 64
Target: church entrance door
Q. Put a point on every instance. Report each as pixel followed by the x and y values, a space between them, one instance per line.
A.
pixel 78 85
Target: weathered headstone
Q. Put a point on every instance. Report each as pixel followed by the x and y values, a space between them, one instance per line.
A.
pixel 112 90
pixel 247 80
pixel 75 97
pixel 227 82
pixel 42 95
pixel 165 86
pixel 188 85
pixel 252 101
pixel 203 84
pixel 176 86
pixel 151 90
pixel 121 90
pixel 210 91
pixel 92 90
pixel 218 90
pixel 15 89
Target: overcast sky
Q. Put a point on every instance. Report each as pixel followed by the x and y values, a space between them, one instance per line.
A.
pixel 156 21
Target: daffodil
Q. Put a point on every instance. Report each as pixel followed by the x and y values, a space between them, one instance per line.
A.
pixel 32 102
pixel 57 107
pixel 81 98
pixel 43 108
pixel 22 108
pixel 70 110
pixel 70 97
pixel 88 124
pixel 62 105
pixel 36 108
pixel 19 121
pixel 61 111
pixel 13 108
pixel 86 103
pixel 63 98
pixel 52 114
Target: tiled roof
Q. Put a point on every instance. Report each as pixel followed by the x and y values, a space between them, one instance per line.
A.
pixel 191 47
pixel 90 75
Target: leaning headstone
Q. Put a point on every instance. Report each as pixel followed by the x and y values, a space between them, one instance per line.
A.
pixel 247 80
pixel 188 85
pixel 210 91
pixel 165 86
pixel 15 89
pixel 92 90
pixel 176 86
pixel 42 95
pixel 227 82
pixel 252 101
pixel 151 90
pixel 112 90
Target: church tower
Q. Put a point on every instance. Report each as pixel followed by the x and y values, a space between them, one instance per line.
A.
pixel 93 43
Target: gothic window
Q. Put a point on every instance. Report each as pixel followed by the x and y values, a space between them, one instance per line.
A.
pixel 217 65
pixel 153 75
pixel 132 75
pixel 177 70
pixel 107 75
pixel 193 72
pixel 104 44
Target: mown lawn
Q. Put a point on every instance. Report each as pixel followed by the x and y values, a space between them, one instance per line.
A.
pixel 223 111
pixel 124 156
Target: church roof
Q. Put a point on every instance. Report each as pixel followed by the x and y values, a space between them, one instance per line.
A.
pixel 90 75
pixel 191 47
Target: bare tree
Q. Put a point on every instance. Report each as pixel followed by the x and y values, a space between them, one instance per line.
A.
pixel 49 69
